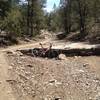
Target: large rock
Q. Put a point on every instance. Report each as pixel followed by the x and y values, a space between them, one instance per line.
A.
pixel 62 57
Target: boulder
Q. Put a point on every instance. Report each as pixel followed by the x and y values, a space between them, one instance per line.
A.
pixel 62 57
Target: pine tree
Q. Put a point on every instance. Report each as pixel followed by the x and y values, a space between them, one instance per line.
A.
pixel 5 6
pixel 35 16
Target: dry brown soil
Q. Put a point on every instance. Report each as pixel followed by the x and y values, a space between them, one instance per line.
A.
pixel 27 78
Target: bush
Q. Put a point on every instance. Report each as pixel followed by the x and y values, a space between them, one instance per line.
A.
pixel 14 22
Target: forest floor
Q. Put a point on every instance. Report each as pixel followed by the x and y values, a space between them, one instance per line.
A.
pixel 24 77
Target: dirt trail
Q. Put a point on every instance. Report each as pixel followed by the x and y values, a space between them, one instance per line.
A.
pixel 24 46
pixel 5 90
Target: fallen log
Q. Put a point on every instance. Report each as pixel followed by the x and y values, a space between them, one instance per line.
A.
pixel 53 53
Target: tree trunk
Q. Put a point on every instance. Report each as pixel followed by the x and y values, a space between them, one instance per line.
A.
pixel 30 18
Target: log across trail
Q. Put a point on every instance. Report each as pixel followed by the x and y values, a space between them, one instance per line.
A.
pixel 55 52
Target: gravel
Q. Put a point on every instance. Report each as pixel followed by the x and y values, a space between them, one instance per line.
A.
pixel 49 79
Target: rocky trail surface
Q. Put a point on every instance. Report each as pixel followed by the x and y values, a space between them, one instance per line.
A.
pixel 5 89
pixel 27 78
pixel 6 92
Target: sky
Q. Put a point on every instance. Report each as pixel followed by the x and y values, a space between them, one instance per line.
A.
pixel 50 4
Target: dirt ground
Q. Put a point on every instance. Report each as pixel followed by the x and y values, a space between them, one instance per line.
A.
pixel 76 78
pixel 6 92
pixel 24 77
